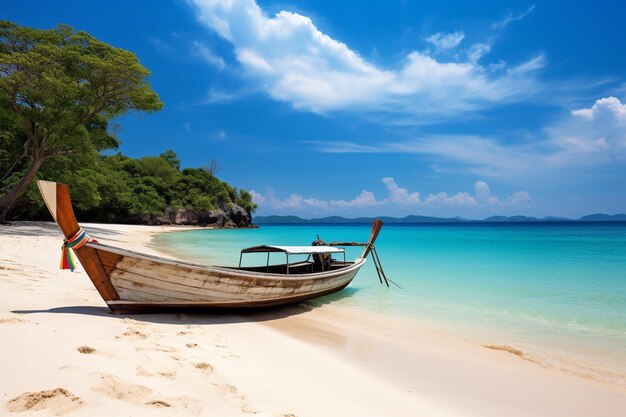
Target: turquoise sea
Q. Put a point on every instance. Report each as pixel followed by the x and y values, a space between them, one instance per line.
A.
pixel 556 287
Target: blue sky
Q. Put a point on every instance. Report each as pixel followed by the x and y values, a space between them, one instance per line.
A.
pixel 383 107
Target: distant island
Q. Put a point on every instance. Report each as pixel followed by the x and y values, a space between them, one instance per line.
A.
pixel 428 219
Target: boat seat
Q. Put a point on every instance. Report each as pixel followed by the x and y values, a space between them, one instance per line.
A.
pixel 300 265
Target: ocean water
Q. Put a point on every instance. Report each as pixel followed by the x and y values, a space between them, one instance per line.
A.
pixel 545 287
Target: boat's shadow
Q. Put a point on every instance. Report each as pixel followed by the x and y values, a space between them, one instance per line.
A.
pixel 204 316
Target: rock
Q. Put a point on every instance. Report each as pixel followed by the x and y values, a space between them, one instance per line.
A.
pixel 227 216
pixel 231 216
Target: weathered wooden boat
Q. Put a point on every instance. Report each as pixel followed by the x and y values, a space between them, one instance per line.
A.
pixel 131 282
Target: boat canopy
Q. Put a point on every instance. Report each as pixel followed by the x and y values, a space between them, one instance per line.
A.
pixel 294 250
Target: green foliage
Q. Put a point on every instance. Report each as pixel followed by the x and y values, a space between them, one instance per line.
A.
pixel 59 89
pixel 116 188
pixel 244 199
pixel 171 158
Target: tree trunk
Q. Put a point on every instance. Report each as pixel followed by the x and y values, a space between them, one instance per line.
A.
pixel 8 200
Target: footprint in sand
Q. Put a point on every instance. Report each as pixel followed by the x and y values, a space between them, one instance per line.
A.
pixel 226 353
pixel 7 268
pixel 157 348
pixel 191 345
pixel 230 392
pixel 68 368
pixel 164 348
pixel 58 401
pixel 135 334
pixel 165 373
pixel 159 404
pixel 114 387
pixel 230 356
pixel 87 350
pixel 11 320
pixel 190 405
pixel 206 367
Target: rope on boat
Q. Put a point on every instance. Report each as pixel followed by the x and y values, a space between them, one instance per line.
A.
pixel 379 267
pixel 382 276
pixel 75 242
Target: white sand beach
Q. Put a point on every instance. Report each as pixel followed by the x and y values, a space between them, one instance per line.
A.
pixel 63 353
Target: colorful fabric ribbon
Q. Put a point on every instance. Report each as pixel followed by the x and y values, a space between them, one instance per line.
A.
pixel 75 242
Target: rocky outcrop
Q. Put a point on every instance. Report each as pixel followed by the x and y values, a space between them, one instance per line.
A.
pixel 232 216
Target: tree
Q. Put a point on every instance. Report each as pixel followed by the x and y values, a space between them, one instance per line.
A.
pixel 245 200
pixel 171 158
pixel 58 91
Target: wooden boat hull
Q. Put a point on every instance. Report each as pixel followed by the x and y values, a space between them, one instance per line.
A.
pixel 143 282
pixel 131 282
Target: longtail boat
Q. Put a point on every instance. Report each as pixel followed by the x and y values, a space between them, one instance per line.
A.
pixel 131 282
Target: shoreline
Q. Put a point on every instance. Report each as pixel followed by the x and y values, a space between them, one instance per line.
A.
pixel 295 360
pixel 538 350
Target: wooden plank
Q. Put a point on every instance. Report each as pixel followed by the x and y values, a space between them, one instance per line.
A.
pixel 126 307
pixel 201 280
pixel 109 261
pixel 140 279
pixel 127 293
pixel 132 282
pixel 194 277
pixel 178 272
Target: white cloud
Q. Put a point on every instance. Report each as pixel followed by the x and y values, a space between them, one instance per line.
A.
pixel 609 106
pixel 484 156
pixel 529 66
pixel 483 193
pixel 258 198
pixel 219 96
pixel 208 56
pixel 398 194
pixel 298 202
pixel 397 198
pixel 585 137
pixel 520 198
pixel 511 17
pixel 443 199
pixel 592 135
pixel 293 61
pixel 365 199
pixel 160 45
pixel 446 41
pixel 477 51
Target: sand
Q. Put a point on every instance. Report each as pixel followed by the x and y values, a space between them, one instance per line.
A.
pixel 63 353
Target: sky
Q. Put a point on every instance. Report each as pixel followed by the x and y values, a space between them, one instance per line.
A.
pixel 396 107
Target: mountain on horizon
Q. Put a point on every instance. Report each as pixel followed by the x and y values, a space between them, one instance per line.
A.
pixel 599 217
pixel 275 219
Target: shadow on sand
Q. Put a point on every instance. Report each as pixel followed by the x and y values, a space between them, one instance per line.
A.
pixel 204 316
pixel 47 229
